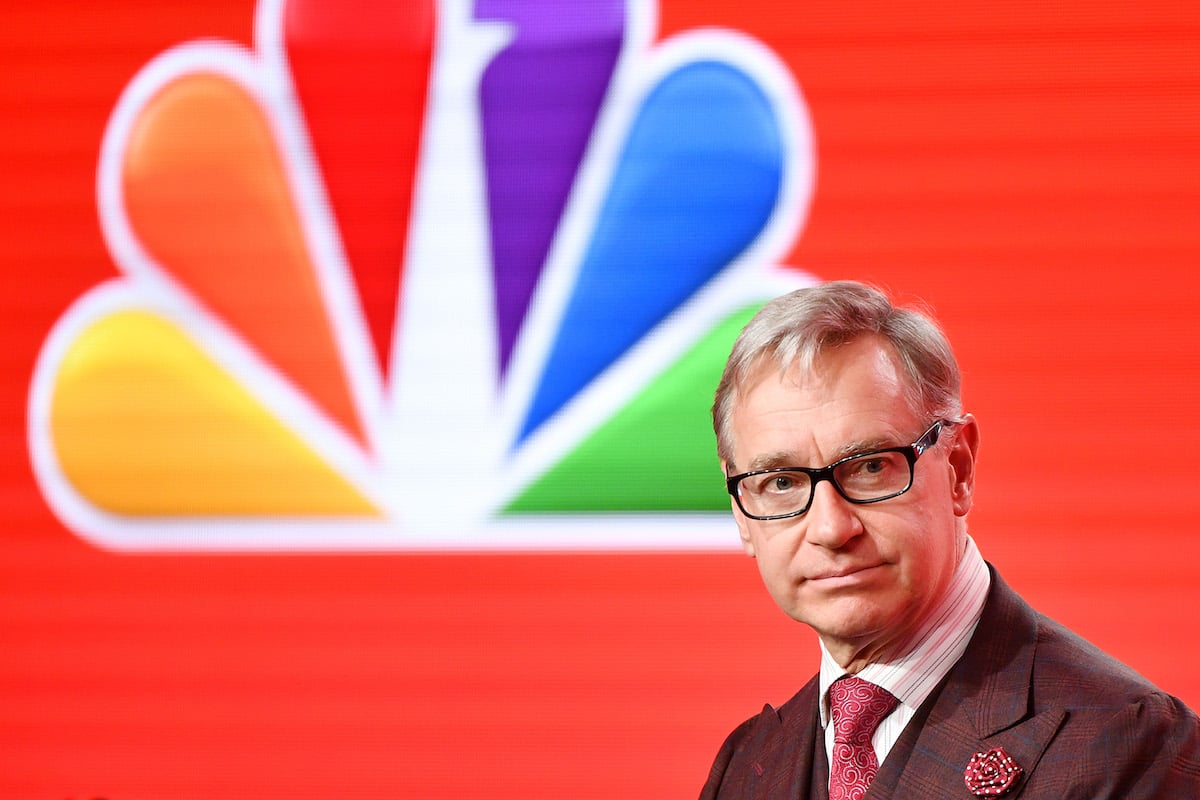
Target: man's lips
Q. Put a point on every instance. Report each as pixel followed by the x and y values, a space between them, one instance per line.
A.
pixel 844 573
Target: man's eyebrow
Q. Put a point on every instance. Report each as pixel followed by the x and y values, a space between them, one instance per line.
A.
pixel 782 458
pixel 787 458
pixel 864 445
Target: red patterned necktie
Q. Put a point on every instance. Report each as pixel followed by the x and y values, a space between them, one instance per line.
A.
pixel 858 708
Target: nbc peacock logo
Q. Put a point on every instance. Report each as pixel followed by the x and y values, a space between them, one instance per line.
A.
pixel 422 276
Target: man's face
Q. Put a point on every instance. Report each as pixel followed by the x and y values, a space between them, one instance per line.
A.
pixel 862 576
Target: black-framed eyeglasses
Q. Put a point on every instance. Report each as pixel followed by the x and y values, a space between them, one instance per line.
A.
pixel 862 478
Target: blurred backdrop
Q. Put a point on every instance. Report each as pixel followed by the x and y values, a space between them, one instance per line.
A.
pixel 356 363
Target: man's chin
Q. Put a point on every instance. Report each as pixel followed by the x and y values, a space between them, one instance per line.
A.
pixel 854 621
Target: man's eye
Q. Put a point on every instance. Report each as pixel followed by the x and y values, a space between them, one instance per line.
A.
pixel 782 483
pixel 871 470
pixel 873 466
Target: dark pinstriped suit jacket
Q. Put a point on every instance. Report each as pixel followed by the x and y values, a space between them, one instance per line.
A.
pixel 1080 724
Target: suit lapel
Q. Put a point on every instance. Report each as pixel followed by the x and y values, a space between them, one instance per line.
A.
pixel 782 762
pixel 983 703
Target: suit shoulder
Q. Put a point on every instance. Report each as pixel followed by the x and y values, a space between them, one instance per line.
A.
pixel 1065 669
pixel 1067 664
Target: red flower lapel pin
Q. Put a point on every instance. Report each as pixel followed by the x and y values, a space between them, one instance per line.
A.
pixel 991 774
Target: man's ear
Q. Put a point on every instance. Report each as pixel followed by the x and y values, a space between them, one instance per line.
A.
pixel 739 518
pixel 962 464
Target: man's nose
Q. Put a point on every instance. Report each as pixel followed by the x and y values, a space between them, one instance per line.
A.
pixel 832 521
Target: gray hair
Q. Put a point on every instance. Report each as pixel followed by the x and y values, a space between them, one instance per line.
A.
pixel 793 330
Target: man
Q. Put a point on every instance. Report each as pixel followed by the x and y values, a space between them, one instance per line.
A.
pixel 851 467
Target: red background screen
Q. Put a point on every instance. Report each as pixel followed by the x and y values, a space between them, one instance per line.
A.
pixel 1031 171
